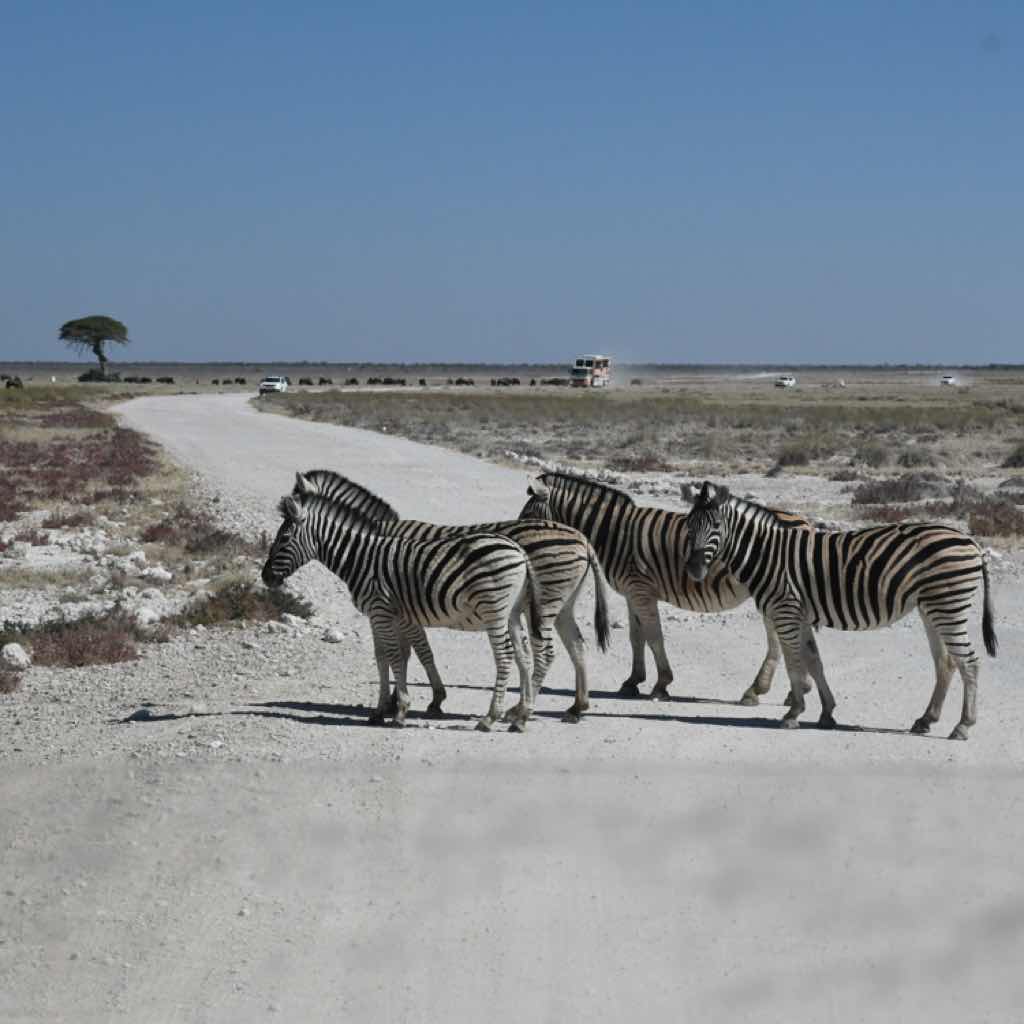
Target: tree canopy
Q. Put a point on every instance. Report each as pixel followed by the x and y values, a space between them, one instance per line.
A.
pixel 91 333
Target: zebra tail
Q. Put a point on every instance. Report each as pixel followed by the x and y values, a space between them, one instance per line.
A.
pixel 601 627
pixel 988 631
pixel 534 600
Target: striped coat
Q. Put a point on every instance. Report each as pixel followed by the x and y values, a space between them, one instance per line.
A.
pixel 479 582
pixel 849 579
pixel 559 557
pixel 642 553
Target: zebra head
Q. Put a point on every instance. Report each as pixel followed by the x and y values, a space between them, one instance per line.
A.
pixel 704 530
pixel 538 505
pixel 293 546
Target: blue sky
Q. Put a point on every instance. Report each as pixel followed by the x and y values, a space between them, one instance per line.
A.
pixel 703 182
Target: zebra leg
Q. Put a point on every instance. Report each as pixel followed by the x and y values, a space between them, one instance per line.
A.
pixel 969 674
pixel 543 653
pixel 417 636
pixel 403 653
pixel 380 653
pixel 518 716
pixel 401 667
pixel 763 680
pixel 828 702
pixel 631 687
pixel 650 619
pixel 572 639
pixel 790 634
pixel 945 666
pixel 501 645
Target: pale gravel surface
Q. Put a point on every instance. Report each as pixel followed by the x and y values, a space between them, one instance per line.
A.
pixel 254 851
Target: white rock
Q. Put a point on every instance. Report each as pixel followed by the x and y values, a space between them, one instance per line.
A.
pixel 276 627
pixel 295 621
pixel 333 636
pixel 146 616
pixel 15 656
pixel 158 573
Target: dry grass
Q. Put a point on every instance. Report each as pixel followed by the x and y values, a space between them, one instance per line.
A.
pixel 9 680
pixel 675 428
pixel 96 639
pixel 242 601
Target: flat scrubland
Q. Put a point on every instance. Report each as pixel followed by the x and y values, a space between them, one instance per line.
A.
pixel 901 445
pixel 104 545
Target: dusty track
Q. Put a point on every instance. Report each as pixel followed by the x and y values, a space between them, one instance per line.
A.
pixel 668 861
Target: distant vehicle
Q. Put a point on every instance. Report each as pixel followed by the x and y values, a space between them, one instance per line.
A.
pixel 785 381
pixel 949 381
pixel 591 371
pixel 271 384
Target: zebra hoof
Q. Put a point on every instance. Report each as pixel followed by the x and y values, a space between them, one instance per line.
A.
pixel 434 711
pixel 484 725
pixel 921 726
pixel 749 700
pixel 377 718
pixel 572 715
pixel 514 713
pixel 789 723
pixel 519 725
pixel 959 733
pixel 660 692
pixel 629 691
pixel 826 722
pixel 392 705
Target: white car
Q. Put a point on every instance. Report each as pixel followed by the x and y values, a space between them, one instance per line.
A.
pixel 949 381
pixel 271 384
pixel 785 381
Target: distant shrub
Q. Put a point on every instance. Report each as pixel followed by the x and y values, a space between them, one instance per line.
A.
pixel 873 454
pixel 996 517
pixel 793 455
pixel 9 680
pixel 1015 460
pixel 641 461
pixel 914 457
pixel 909 487
pixel 59 518
pixel 844 476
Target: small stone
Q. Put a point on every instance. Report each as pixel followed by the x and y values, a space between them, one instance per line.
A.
pixel 146 616
pixel 158 573
pixel 333 636
pixel 276 627
pixel 295 621
pixel 15 656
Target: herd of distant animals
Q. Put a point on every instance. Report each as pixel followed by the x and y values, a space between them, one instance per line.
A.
pixel 408 576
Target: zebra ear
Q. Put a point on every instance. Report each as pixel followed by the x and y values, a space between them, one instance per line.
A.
pixel 303 485
pixel 721 496
pixel 538 489
pixel 706 496
pixel 291 509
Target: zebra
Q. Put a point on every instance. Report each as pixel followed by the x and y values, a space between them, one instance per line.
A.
pixel 849 579
pixel 559 557
pixel 641 550
pixel 479 582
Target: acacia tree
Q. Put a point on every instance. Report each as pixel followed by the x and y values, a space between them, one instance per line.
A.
pixel 91 333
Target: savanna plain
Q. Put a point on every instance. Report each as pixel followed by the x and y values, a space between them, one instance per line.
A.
pixel 199 824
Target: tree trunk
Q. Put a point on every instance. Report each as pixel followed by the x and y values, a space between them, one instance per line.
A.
pixel 97 349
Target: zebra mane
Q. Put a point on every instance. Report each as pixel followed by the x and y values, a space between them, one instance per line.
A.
pixel 586 482
pixel 334 509
pixel 778 517
pixel 370 506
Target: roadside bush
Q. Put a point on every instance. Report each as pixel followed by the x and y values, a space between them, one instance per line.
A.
pixel 793 455
pixel 9 680
pixel 242 600
pixel 872 454
pixel 190 528
pixel 96 639
pixel 996 517
pixel 909 487
pixel 914 457
pixel 648 461
pixel 59 518
pixel 1015 460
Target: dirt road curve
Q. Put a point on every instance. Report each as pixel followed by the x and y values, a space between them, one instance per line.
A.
pixel 270 857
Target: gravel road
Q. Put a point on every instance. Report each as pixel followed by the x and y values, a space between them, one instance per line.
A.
pixel 248 849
